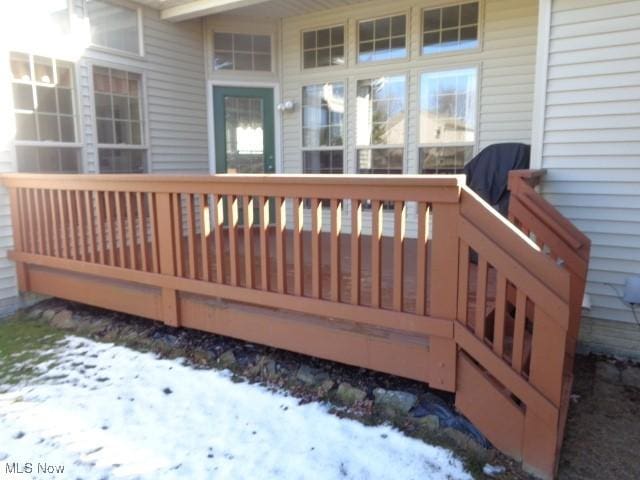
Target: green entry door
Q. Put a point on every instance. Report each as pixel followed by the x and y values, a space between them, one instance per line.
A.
pixel 244 134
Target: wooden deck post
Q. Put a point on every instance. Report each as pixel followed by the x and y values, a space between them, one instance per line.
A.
pixel 162 222
pixel 21 268
pixel 443 293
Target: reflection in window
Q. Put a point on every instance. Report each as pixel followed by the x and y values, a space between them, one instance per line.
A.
pixel 450 28
pixel 323 115
pixel 120 160
pixel 447 120
pixel 113 26
pixel 35 159
pixel 324 47
pixel 238 51
pixel 382 39
pixel 244 137
pixel 381 111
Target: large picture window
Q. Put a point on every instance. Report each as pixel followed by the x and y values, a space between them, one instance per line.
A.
pixel 240 51
pixel 450 28
pixel 119 120
pixel 114 26
pixel 323 128
pixel 380 124
pixel 447 120
pixel 44 111
pixel 382 39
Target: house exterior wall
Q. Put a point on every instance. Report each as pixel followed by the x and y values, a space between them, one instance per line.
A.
pixel 591 149
pixel 174 99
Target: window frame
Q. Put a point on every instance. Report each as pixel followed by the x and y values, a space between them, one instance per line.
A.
pixel 212 72
pixel 408 36
pixel 405 144
pixel 477 66
pixel 144 130
pixel 461 51
pixel 140 25
pixel 345 46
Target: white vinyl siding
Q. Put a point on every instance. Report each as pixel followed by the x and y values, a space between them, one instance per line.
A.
pixel 591 149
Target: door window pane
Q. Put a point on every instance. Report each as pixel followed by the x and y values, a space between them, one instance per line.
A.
pixel 450 28
pixel 239 51
pixel 244 136
pixel 382 39
pixel 113 26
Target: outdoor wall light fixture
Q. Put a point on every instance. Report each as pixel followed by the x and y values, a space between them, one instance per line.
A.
pixel 286 106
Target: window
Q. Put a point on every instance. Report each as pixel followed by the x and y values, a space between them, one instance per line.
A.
pixel 114 26
pixel 382 39
pixel 44 109
pixel 450 28
pixel 237 51
pixel 323 128
pixel 447 120
pixel 380 128
pixel 324 47
pixel 119 121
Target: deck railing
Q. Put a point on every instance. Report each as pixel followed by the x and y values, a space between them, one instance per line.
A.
pixel 487 310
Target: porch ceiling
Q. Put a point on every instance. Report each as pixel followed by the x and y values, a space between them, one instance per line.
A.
pixel 176 10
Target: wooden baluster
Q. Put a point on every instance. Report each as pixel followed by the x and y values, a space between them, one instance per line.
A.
pixel 142 232
pixel 218 202
pixel 298 253
pixel 21 194
pixel 63 224
pixel 47 221
pixel 33 246
pixel 18 229
pixel 499 315
pixel 481 298
pixel 89 212
pixel 73 230
pixel 100 222
pixel 463 288
pixel 265 265
pixel 421 258
pixel 205 233
pixel 153 215
pixel 376 239
pixel 38 221
pixel 191 236
pixel 81 227
pixel 109 200
pixel 281 253
pixel 518 335
pixel 232 210
pixel 247 206
pixel 356 252
pixel 316 250
pixel 120 227
pixel 336 226
pixel 399 214
pixel 130 228
pixel 177 233
pixel 161 221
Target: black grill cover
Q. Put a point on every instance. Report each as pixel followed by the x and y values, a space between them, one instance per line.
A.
pixel 488 172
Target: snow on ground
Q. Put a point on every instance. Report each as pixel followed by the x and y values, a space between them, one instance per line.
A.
pixel 107 412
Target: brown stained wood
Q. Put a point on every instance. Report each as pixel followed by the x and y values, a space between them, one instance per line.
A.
pixel 176 205
pixel 232 219
pixel 100 224
pixel 316 252
pixel 64 222
pixel 356 252
pixel 89 218
pixel 164 221
pixel 16 219
pixel 142 232
pixel 218 204
pixel 191 236
pixel 247 208
pixel 153 216
pixel 376 260
pixel 547 354
pixel 518 335
pixel 399 219
pixel 30 218
pixel 500 315
pixel 120 228
pixel 298 255
pixel 336 225
pixel 82 231
pixel 205 233
pixel 21 206
pixel 111 228
pixel 481 298
pixel 463 283
pixel 74 247
pixel 42 221
pixel 37 207
pixel 130 216
pixel 281 254
pixel 421 257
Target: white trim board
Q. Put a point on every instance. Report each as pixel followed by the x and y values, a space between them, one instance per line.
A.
pixel 540 86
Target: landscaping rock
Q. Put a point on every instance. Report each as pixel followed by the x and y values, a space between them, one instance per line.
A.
pixel 631 377
pixel 395 400
pixel 265 367
pixel 607 372
pixel 431 422
pixel 48 315
pixel 348 395
pixel 311 376
pixel 325 387
pixel 227 359
pixel 470 445
pixel 203 357
pixel 63 319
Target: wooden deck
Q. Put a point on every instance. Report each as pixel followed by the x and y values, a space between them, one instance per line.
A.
pixel 410 275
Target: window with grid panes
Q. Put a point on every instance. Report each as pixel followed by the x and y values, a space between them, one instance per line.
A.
pixel 323 47
pixel 44 112
pixel 114 26
pixel 447 120
pixel 241 51
pixel 450 28
pixel 119 121
pixel 382 39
